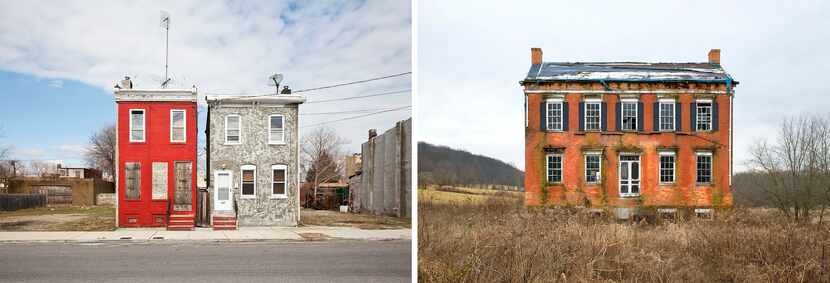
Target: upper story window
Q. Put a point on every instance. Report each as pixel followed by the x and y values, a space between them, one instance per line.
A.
pixel 554 168
pixel 704 115
pixel 593 115
pixel 629 115
pixel 593 167
pixel 177 126
pixel 667 161
pixel 137 125
pixel 276 129
pixel 248 181
pixel 554 115
pixel 233 129
pixel 667 115
pixel 704 168
pixel 278 177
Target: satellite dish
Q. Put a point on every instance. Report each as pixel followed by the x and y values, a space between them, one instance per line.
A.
pixel 276 78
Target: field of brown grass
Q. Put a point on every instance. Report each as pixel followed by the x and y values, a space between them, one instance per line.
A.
pixel 498 240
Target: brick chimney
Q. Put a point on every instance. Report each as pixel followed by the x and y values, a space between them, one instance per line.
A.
pixel 714 56
pixel 535 55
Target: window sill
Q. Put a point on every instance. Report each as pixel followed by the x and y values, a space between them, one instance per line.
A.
pixel 279 197
pixel 232 143
pixel 178 142
pixel 666 184
pixel 703 184
pixel 138 142
pixel 629 195
pixel 277 143
pixel 247 197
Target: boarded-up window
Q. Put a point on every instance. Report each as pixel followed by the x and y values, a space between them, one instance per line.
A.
pixel 137 125
pixel 232 129
pixel 132 181
pixel 248 179
pixel 276 132
pixel 183 196
pixel 278 180
pixel 159 180
pixel 177 126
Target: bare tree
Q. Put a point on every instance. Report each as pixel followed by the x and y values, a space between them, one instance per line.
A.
pixel 321 150
pixel 795 170
pixel 101 151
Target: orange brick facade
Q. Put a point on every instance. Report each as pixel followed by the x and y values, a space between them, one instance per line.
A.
pixel 573 142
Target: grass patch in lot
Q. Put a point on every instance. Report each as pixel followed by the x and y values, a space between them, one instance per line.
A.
pixel 461 195
pixel 357 220
pixel 59 219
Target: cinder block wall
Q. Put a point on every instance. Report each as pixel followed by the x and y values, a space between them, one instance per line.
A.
pixel 385 184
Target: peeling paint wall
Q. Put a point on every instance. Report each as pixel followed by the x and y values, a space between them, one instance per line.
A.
pixel 263 210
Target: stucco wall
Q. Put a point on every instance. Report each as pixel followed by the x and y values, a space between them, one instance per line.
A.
pixel 255 150
pixel 385 183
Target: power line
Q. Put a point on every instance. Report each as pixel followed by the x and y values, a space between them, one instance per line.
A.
pixel 360 96
pixel 355 117
pixel 317 88
pixel 342 112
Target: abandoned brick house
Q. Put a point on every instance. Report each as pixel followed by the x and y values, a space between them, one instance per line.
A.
pixel 155 157
pixel 628 135
pixel 253 160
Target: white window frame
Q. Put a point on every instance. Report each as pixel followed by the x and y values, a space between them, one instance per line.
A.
pixel 585 103
pixel 660 167
pixel 622 114
pixel 561 168
pixel 184 126
pixel 548 118
pixel 282 140
pixel 226 129
pixel 242 181
pixel 697 114
pixel 585 167
pixel 660 116
pixel 711 167
pixel 285 180
pixel 143 124
pixel 639 175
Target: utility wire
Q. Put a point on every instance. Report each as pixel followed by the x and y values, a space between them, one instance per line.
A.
pixel 342 112
pixel 360 96
pixel 317 88
pixel 355 117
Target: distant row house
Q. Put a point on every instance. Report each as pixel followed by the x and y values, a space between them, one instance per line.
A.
pixel 628 135
pixel 252 159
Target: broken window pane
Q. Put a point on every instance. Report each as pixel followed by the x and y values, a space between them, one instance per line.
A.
pixel 132 182
pixel 704 116
pixel 592 116
pixel 592 168
pixel 629 116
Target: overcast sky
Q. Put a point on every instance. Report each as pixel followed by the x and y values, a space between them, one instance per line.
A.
pixel 60 59
pixel 471 58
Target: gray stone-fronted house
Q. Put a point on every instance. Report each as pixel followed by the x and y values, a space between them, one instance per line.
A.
pixel 253 160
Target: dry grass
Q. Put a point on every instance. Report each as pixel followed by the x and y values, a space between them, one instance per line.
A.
pixel 362 221
pixel 499 240
pixel 461 195
pixel 59 219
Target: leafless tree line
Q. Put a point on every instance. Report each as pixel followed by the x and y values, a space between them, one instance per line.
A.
pixel 793 170
pixel 321 156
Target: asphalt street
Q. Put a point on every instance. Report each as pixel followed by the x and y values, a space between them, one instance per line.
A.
pixel 262 261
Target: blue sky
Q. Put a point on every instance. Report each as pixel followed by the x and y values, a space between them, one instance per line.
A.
pixel 57 69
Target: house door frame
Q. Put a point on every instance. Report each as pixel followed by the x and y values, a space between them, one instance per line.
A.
pixel 629 181
pixel 220 205
pixel 189 190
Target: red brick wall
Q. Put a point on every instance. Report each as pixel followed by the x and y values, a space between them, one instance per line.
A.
pixel 574 191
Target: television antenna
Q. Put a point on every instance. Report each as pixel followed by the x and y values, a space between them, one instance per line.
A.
pixel 165 24
pixel 276 78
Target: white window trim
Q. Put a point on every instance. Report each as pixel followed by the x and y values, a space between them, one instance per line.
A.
pixel 561 168
pixel 660 168
pixel 559 101
pixel 711 113
pixel 184 126
pixel 639 173
pixel 285 181
pixel 143 124
pixel 585 167
pixel 622 115
pixel 282 141
pixel 660 104
pixel 711 167
pixel 585 110
pixel 242 178
pixel 226 129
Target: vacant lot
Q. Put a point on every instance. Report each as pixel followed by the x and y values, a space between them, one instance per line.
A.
pixel 362 221
pixel 463 195
pixel 498 240
pixel 59 219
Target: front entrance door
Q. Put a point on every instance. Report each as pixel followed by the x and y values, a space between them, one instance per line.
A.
pixel 222 195
pixel 183 198
pixel 629 175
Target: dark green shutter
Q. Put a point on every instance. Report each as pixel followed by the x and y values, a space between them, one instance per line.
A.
pixel 655 126
pixel 603 125
pixel 693 117
pixel 542 120
pixel 677 126
pixel 640 116
pixel 581 116
pixel 618 115
pixel 714 116
pixel 565 116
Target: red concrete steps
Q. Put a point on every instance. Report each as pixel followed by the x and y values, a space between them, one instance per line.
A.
pixel 181 222
pixel 224 222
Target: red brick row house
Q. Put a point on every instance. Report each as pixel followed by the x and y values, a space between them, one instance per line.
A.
pixel 156 157
pixel 628 135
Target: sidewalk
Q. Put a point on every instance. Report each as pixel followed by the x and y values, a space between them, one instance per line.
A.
pixel 243 234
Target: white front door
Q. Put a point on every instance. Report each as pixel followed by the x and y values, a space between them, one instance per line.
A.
pixel 629 175
pixel 222 200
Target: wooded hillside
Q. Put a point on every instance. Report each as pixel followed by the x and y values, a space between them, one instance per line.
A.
pixel 446 166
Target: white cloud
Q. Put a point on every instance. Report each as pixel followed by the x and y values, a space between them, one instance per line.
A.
pixel 219 46
pixel 72 150
pixel 27 153
pixel 56 83
pixel 470 60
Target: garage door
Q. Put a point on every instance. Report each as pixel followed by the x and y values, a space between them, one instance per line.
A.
pixel 55 195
